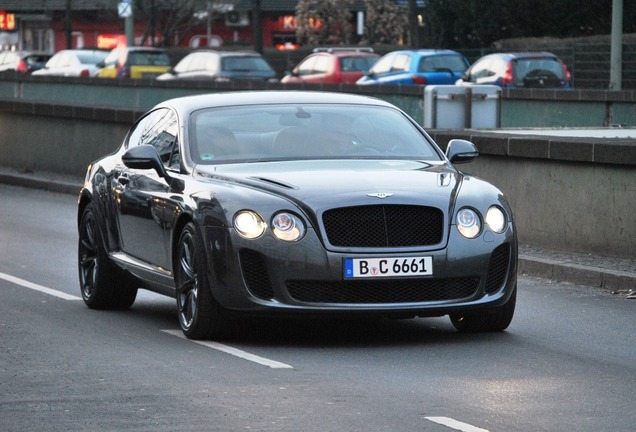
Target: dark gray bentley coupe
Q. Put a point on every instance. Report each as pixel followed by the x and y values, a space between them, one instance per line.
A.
pixel 294 203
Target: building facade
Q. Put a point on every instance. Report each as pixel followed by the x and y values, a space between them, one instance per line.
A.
pixel 52 25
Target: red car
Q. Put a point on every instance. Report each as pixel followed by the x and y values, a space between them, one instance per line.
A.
pixel 333 66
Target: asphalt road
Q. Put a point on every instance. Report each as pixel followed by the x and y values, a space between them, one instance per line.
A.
pixel 568 361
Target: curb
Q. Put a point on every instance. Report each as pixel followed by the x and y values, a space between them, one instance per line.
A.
pixel 25 180
pixel 561 271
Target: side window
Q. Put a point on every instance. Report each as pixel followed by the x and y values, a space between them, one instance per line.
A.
pixel 383 65
pixel 480 70
pixel 183 65
pixel 111 58
pixel 158 129
pixel 306 67
pixel 322 64
pixel 401 63
pixel 211 64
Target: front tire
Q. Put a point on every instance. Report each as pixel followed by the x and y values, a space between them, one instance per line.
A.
pixel 103 286
pixel 200 316
pixel 488 320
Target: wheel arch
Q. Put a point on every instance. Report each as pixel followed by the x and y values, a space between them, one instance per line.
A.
pixel 181 222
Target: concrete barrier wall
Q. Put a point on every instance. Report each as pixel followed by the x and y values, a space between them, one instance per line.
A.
pixel 567 193
pixel 519 107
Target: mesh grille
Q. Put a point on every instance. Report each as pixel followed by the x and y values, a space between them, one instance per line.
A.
pixel 255 274
pixel 498 268
pixel 384 226
pixel 382 291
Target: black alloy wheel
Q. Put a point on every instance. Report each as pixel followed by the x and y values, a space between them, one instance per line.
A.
pixel 199 314
pixel 102 285
pixel 488 320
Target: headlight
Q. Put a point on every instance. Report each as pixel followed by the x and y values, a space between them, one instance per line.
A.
pixel 288 227
pixel 496 219
pixel 468 223
pixel 249 224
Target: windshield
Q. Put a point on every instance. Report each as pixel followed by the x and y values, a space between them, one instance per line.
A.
pixel 91 57
pixel 538 67
pixel 441 63
pixel 315 131
pixel 148 58
pixel 244 63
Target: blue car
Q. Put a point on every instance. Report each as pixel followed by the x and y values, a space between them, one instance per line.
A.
pixel 417 67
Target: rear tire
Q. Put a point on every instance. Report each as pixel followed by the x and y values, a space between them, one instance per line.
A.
pixel 103 285
pixel 488 320
pixel 200 316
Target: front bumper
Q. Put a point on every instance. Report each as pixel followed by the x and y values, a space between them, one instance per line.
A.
pixel 270 276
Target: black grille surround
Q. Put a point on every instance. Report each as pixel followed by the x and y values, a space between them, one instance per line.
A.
pixel 255 274
pixel 382 291
pixel 498 268
pixel 384 226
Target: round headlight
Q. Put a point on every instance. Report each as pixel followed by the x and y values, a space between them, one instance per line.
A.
pixel 468 223
pixel 496 219
pixel 288 227
pixel 249 224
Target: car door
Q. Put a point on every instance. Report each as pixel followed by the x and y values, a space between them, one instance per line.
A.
pixel 141 194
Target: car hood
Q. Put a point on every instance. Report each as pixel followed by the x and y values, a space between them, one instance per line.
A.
pixel 322 184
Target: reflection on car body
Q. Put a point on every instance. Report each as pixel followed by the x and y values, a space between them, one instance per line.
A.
pixel 72 63
pixel 221 66
pixel 519 70
pixel 416 67
pixel 294 203
pixel 333 66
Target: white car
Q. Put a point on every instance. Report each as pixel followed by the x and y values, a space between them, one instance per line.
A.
pixel 73 63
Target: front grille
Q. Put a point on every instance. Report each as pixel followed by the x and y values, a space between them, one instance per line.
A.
pixel 382 291
pixel 498 268
pixel 384 226
pixel 255 274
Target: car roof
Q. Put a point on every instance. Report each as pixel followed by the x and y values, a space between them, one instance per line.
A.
pixel 346 51
pixel 139 48
pixel 227 53
pixel 264 97
pixel 522 54
pixel 428 52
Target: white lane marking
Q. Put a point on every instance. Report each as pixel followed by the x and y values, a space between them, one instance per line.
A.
pixel 37 287
pixel 233 351
pixel 454 424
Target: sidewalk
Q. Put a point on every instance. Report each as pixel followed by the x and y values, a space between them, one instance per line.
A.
pixel 613 274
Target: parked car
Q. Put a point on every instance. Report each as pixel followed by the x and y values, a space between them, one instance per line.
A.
pixel 294 203
pixel 22 61
pixel 73 63
pixel 221 66
pixel 519 70
pixel 333 66
pixel 134 62
pixel 417 67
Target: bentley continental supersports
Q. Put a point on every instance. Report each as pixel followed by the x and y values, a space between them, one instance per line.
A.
pixel 291 203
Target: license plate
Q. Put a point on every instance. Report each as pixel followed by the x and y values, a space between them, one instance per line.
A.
pixel 387 267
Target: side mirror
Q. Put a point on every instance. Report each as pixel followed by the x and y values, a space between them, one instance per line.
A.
pixel 145 157
pixel 461 151
pixel 101 64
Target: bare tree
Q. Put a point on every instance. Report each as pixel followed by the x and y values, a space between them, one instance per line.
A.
pixel 172 20
pixel 323 22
